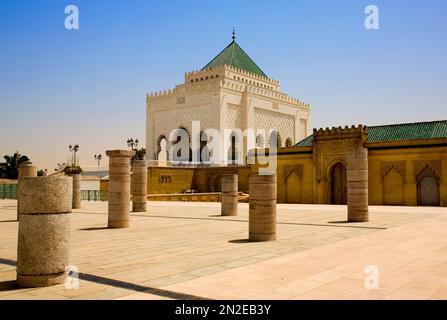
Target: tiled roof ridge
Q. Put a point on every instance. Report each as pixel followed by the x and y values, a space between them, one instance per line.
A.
pixel 406 123
pixel 398 132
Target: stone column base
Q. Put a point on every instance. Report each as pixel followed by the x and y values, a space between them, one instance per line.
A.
pixel 27 281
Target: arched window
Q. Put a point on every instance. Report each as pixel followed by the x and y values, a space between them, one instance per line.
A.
pixel 161 152
pixel 234 151
pixel 159 142
pixel 275 136
pixel 178 152
pixel 233 148
pixel 204 155
pixel 289 142
pixel 260 141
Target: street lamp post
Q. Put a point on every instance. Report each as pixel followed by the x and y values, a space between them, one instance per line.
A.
pixel 98 158
pixel 132 144
pixel 75 173
pixel 74 149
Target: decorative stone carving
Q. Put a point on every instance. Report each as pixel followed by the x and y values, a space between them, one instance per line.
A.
pixel 289 169
pixel 234 116
pixel 420 165
pixel 331 159
pixel 387 166
pixel 267 119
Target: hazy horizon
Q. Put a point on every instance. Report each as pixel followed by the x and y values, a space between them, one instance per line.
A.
pixel 88 86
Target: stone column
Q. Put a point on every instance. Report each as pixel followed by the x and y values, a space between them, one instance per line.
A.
pixel 262 207
pixel 26 169
pixel 357 183
pixel 139 185
pixel 76 203
pixel 119 188
pixel 229 195
pixel 44 231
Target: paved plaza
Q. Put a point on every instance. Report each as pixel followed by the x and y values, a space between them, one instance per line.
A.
pixel 180 250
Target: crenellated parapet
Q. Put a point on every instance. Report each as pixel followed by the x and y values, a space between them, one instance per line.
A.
pixel 227 84
pixel 276 95
pixel 205 75
pixel 230 72
pixel 231 78
pixel 182 90
pixel 251 75
pixel 161 94
pixel 360 131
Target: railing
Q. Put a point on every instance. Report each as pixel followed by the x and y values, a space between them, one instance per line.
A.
pixel 188 197
pixel 8 191
pixel 190 164
pixel 94 195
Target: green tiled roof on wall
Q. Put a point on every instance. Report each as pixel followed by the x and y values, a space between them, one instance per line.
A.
pixel 399 132
pixel 233 55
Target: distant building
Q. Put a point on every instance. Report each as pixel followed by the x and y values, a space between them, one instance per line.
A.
pixel 91 177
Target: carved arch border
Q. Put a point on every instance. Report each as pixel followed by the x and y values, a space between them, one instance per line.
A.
pixel 420 165
pixel 289 169
pixel 387 166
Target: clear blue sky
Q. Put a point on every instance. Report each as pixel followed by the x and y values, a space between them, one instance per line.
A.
pixel 88 86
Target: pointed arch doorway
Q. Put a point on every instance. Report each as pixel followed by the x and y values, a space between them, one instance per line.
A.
pixel 338 184
pixel 428 188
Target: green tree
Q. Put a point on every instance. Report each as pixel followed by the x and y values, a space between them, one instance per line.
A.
pixel 10 168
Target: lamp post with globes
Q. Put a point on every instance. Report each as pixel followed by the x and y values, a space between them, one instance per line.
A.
pixel 138 184
pixel 75 172
pixel 74 149
pixel 98 158
pixel 132 144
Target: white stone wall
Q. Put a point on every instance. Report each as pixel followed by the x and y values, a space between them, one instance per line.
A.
pixel 169 113
pixel 225 98
pixel 234 116
pixel 283 123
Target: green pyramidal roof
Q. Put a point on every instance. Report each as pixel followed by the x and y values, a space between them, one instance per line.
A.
pixel 233 55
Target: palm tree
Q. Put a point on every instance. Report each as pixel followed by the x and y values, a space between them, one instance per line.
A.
pixel 10 168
